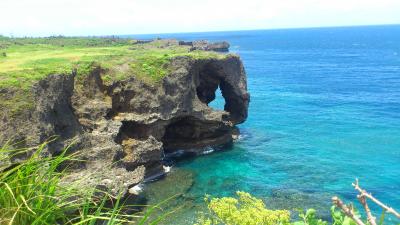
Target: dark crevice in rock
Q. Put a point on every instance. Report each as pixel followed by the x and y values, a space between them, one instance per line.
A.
pixel 192 133
pixel 133 130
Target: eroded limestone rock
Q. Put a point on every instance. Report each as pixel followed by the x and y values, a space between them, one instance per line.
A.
pixel 122 129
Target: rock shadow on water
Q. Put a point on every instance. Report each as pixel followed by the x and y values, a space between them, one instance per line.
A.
pixel 298 200
pixel 189 155
pixel 173 189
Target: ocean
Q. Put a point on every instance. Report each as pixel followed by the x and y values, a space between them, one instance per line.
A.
pixel 324 110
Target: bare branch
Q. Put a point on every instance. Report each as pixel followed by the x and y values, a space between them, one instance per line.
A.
pixel 368 195
pixel 363 201
pixel 346 210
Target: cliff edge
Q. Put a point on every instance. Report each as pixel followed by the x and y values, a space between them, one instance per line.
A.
pixel 123 127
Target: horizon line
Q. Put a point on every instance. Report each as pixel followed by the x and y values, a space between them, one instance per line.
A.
pixel 266 29
pixel 215 31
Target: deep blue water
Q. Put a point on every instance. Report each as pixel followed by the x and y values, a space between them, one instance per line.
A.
pixel 325 109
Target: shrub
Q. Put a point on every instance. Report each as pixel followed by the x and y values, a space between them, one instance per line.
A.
pixel 248 210
pixel 243 210
pixel 310 218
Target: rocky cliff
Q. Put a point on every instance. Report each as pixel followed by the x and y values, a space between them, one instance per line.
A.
pixel 122 129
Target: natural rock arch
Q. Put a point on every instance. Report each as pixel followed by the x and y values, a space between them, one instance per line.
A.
pixel 215 74
pixel 123 127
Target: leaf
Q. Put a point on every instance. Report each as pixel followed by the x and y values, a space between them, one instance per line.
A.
pixel 348 221
pixel 299 223
pixel 382 218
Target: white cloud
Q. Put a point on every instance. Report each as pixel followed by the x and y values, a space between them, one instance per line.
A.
pixel 97 17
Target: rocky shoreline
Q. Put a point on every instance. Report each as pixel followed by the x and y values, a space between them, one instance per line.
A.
pixel 123 129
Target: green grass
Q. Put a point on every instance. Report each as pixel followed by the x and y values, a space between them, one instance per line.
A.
pixel 30 193
pixel 25 61
pixel 28 60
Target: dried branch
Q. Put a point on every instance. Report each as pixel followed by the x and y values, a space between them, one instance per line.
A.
pixel 346 210
pixel 370 217
pixel 368 195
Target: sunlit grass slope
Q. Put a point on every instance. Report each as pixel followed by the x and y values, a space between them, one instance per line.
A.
pixel 25 61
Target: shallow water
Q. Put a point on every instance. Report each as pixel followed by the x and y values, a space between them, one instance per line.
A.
pixel 325 109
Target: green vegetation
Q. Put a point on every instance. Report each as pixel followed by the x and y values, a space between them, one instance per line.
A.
pixel 31 193
pixel 24 61
pixel 248 210
pixel 245 209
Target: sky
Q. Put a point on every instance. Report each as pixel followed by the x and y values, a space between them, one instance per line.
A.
pixel 117 17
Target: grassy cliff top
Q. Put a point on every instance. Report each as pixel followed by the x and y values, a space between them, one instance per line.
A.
pixel 24 61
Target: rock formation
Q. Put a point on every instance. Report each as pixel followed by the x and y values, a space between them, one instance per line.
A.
pixel 123 129
pixel 207 46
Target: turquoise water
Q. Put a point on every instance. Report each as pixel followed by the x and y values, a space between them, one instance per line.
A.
pixel 325 109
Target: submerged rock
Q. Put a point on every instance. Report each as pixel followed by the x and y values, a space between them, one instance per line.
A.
pixel 122 129
pixel 293 199
pixel 177 183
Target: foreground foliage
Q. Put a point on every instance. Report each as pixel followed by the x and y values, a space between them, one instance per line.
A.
pixel 248 210
pixel 245 209
pixel 31 193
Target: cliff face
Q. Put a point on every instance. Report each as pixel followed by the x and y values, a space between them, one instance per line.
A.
pixel 123 129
